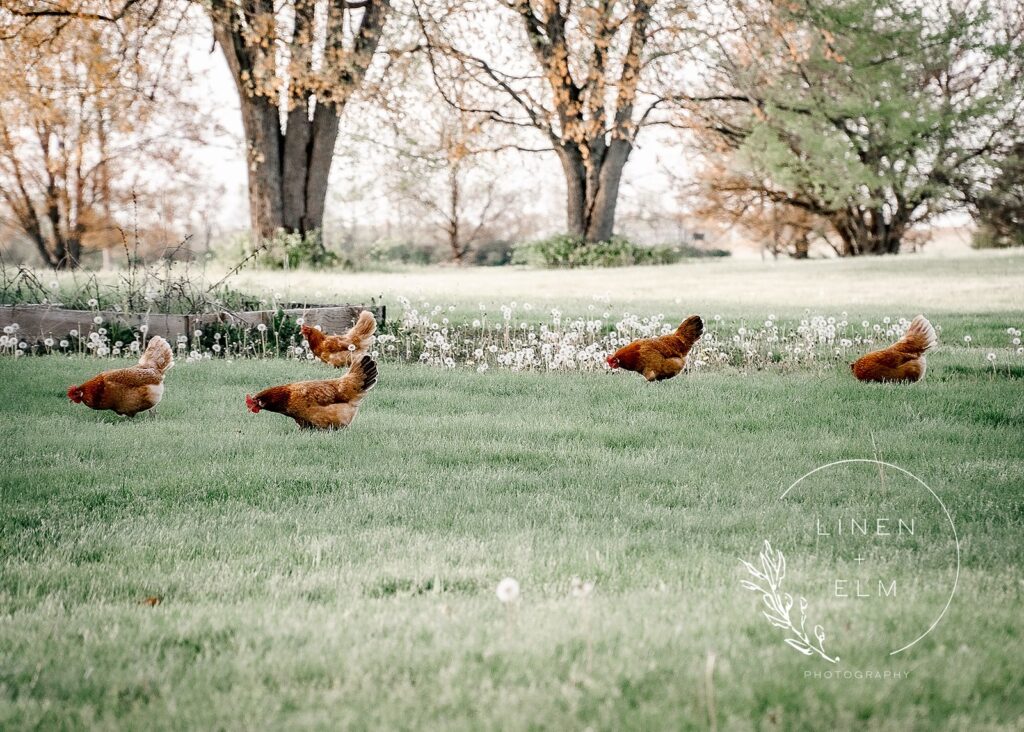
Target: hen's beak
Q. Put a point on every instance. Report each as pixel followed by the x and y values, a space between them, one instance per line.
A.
pixel 252 404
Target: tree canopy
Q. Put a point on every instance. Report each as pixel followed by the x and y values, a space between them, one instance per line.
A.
pixel 870 114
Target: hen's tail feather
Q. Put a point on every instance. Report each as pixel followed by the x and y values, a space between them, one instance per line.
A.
pixel 361 377
pixel 365 325
pixel 158 355
pixel 368 367
pixel 691 329
pixel 920 336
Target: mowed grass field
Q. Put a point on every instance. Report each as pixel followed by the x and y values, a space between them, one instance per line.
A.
pixel 957 289
pixel 347 580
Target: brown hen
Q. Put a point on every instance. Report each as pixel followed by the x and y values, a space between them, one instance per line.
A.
pixel 132 390
pixel 326 404
pixel 659 358
pixel 343 350
pixel 903 361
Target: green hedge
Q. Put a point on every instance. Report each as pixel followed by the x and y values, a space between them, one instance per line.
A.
pixel 567 251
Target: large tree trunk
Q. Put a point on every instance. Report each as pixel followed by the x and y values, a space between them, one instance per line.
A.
pixel 592 190
pixel 601 225
pixel 575 189
pixel 288 171
pixel 868 232
pixel 453 225
pixel 306 162
pixel 289 168
pixel 592 141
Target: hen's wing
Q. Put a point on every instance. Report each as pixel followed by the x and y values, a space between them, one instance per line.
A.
pixel 661 359
pixel 136 376
pixel 889 365
pixel 318 393
pixel 891 358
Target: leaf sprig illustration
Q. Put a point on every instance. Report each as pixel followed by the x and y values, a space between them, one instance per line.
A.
pixel 768 581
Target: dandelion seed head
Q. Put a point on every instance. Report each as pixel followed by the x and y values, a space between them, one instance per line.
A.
pixel 507 590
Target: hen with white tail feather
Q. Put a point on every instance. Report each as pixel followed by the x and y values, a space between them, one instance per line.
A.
pixel 132 390
pixel 904 360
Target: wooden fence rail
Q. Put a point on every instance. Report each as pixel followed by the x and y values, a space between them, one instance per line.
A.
pixel 36 322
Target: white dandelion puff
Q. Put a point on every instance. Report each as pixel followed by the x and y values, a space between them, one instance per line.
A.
pixel 507 590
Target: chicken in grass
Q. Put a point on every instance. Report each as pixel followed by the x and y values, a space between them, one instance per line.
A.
pixel 328 404
pixel 343 350
pixel 132 390
pixel 659 358
pixel 903 361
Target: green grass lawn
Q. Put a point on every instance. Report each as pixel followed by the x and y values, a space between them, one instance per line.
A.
pixel 347 580
pixel 983 282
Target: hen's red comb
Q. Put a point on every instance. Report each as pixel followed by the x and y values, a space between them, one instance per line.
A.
pixel 251 404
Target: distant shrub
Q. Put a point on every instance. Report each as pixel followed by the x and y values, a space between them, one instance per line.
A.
pixel 986 237
pixel 494 253
pixel 567 251
pixel 403 252
pixel 291 251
